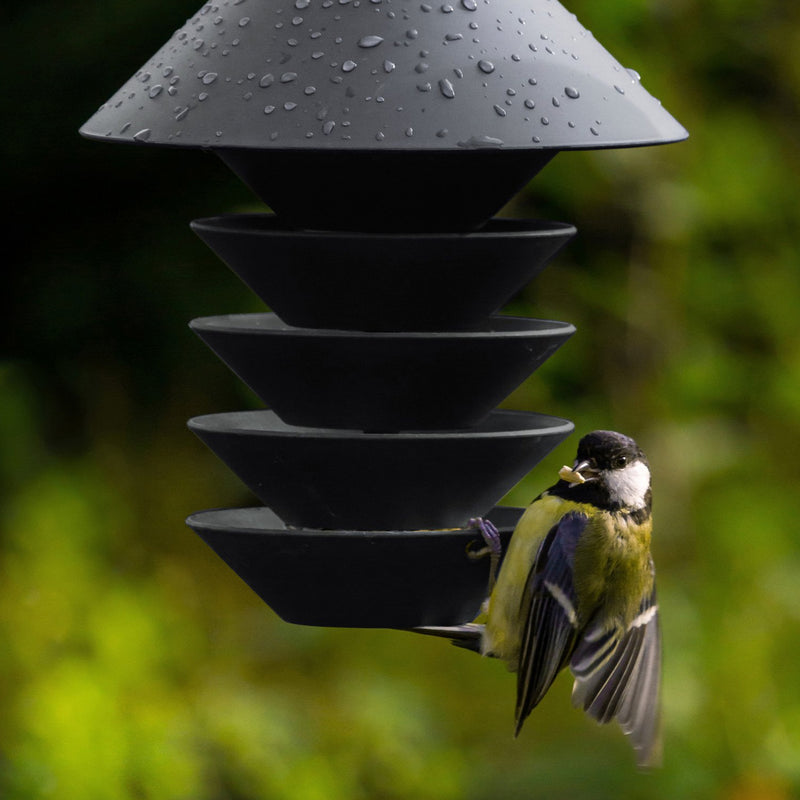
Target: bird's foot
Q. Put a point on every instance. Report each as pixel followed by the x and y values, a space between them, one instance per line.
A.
pixel 493 548
pixel 490 536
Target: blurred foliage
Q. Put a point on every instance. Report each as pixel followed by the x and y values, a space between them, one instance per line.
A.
pixel 133 664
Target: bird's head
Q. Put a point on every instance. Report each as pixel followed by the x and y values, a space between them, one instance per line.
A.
pixel 615 464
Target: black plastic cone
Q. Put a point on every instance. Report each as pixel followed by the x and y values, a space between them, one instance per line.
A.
pixel 383 282
pixel 358 76
pixel 323 478
pixel 381 381
pixel 373 579
pixel 318 105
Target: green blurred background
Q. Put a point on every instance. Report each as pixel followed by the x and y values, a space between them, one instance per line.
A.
pixel 134 664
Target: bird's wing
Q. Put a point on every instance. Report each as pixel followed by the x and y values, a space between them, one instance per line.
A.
pixel 549 607
pixel 618 676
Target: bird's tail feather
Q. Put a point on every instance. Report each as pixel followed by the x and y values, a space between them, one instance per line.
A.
pixel 467 636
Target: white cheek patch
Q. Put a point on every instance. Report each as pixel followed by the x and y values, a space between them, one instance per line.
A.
pixel 629 485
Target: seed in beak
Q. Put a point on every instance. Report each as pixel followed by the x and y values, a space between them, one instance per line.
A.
pixel 570 475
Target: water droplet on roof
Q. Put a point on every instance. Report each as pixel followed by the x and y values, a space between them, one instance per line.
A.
pixel 481 141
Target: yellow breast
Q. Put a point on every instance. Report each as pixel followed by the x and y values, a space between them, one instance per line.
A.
pixel 612 566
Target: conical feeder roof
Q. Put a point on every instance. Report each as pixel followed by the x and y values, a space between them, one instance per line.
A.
pixel 322 97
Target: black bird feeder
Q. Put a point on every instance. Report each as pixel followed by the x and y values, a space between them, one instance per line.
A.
pixel 384 134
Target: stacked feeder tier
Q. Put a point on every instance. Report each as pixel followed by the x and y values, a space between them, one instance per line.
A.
pixel 381 441
pixel 385 135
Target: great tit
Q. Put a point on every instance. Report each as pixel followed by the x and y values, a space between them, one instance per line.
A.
pixel 577 588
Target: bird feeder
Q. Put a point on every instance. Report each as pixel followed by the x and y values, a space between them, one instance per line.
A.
pixel 384 135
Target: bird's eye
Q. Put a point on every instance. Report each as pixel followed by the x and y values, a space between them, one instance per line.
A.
pixel 620 462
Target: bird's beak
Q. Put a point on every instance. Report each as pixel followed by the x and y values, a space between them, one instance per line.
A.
pixel 579 473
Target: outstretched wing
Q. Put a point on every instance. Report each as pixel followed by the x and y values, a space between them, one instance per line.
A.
pixel 618 676
pixel 549 606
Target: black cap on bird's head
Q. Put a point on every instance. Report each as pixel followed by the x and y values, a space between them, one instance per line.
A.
pixel 609 450
pixel 610 469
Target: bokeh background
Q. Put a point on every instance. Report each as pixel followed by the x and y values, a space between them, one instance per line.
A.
pixel 135 665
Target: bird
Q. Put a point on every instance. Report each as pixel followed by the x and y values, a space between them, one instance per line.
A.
pixel 576 588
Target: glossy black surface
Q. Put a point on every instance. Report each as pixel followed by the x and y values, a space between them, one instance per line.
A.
pixel 332 479
pixel 383 282
pixel 381 381
pixel 377 579
pixel 386 190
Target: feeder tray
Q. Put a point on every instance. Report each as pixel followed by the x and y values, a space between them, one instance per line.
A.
pixel 365 579
pixel 381 381
pixel 383 282
pixel 322 478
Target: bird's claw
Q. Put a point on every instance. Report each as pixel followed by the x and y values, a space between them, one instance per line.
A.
pixel 494 547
